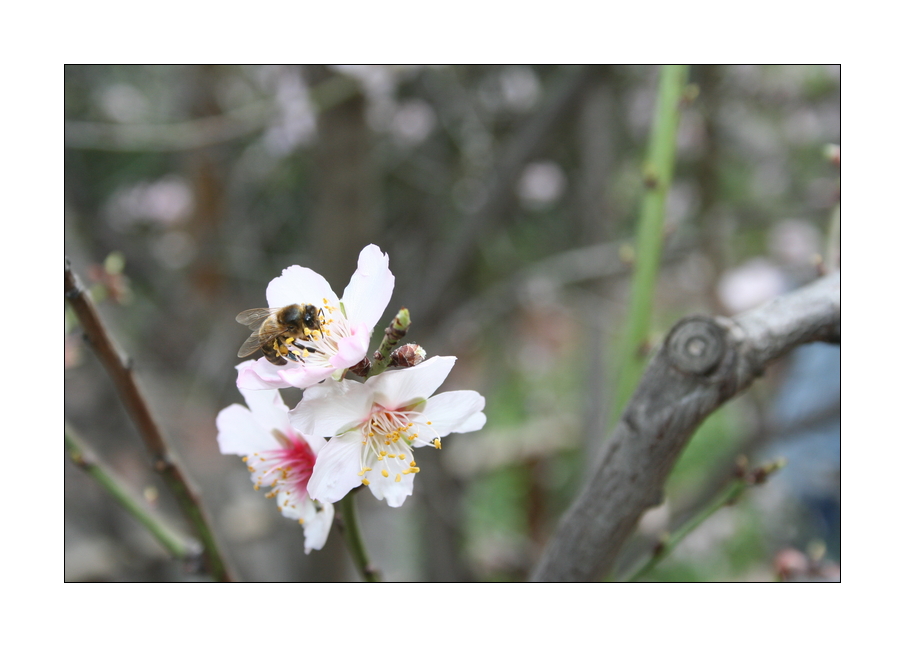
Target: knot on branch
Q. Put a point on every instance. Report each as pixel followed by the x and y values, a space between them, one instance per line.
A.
pixel 696 345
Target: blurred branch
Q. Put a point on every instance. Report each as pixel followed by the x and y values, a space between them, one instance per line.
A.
pixel 522 146
pixel 174 544
pixel 200 132
pixel 601 261
pixel 703 362
pixel 121 374
pixel 658 172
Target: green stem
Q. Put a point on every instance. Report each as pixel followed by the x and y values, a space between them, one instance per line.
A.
pixel 665 549
pixel 396 331
pixel 728 496
pixel 658 172
pixel 352 533
pixel 169 539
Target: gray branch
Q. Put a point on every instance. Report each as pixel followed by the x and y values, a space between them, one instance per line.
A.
pixel 703 362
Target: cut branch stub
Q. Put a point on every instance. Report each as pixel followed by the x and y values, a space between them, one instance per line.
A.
pixel 696 345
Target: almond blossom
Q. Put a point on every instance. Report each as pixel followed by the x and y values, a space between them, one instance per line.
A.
pixel 374 426
pixel 343 339
pixel 278 457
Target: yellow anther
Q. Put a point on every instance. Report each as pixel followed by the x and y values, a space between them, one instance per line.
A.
pixel 289 340
pixel 385 473
pixel 368 469
pixel 245 459
pixel 412 463
pixel 429 422
pixel 365 482
pixel 302 521
pixel 398 477
pixel 415 470
pixel 257 487
pixel 406 471
pixel 380 458
pixel 437 443
pixel 361 473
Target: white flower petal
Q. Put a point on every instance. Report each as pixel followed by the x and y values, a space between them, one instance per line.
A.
pixel 299 285
pixel 387 488
pixel 317 527
pixel 267 408
pixel 239 433
pixel 455 412
pixel 399 388
pixel 333 408
pixel 336 469
pixel 370 288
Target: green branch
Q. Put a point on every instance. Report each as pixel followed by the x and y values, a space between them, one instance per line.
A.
pixel 728 496
pixel 658 173
pixel 351 531
pixel 172 541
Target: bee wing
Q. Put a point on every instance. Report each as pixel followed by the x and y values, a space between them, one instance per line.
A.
pixel 252 318
pixel 256 341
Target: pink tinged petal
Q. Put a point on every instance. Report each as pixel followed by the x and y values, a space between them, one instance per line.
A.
pixel 455 412
pixel 317 526
pixel 299 285
pixel 370 288
pixel 259 374
pixel 302 376
pixel 267 408
pixel 332 409
pixel 351 350
pixel 336 469
pixel 399 388
pixel 239 433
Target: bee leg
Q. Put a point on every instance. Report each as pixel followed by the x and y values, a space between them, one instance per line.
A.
pixel 297 343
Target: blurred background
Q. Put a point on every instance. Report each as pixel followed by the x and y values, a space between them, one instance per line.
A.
pixel 506 198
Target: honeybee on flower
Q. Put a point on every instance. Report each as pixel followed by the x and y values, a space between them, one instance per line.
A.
pixel 322 335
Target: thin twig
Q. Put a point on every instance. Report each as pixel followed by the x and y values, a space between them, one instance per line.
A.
pixel 391 336
pixel 120 371
pixel 178 546
pixel 728 496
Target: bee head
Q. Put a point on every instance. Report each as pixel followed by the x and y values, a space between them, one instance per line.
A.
pixel 311 317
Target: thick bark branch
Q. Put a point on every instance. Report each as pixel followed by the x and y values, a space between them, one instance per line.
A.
pixel 703 362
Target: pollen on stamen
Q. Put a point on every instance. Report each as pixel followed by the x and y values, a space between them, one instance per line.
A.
pixel 365 482
pixel 437 443
pixel 384 473
pixel 398 477
pixel 301 522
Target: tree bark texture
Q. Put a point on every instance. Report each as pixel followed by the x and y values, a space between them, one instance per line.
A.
pixel 703 362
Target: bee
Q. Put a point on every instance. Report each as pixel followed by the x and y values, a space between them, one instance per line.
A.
pixel 279 332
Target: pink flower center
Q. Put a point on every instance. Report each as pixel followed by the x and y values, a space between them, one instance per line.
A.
pixel 288 468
